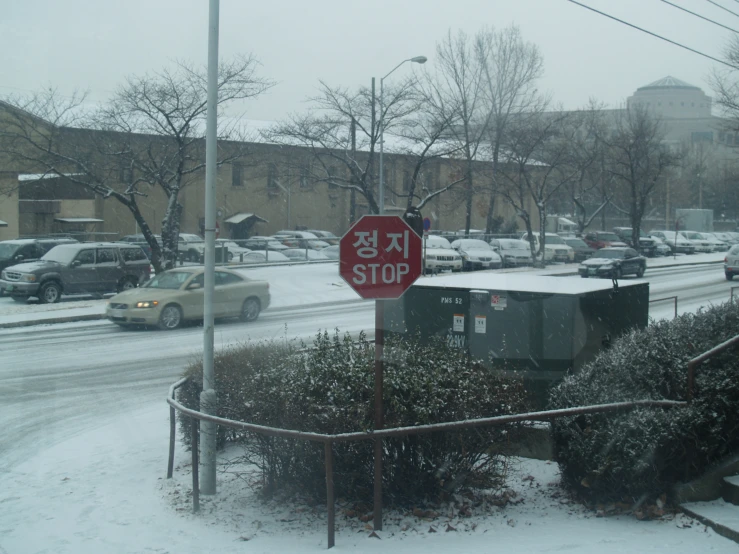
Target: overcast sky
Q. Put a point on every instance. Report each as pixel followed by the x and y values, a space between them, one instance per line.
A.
pixel 93 45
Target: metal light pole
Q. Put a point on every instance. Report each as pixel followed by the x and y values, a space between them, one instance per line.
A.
pixel 381 192
pixel 208 396
pixel 380 320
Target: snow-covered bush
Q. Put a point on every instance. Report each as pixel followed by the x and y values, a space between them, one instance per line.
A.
pixel 330 389
pixel 638 454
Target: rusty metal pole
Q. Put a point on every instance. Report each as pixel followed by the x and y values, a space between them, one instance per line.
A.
pixel 195 480
pixel 379 349
pixel 172 433
pixel 675 307
pixel 330 503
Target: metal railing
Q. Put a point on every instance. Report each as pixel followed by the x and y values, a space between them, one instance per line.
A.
pixel 666 298
pixel 329 440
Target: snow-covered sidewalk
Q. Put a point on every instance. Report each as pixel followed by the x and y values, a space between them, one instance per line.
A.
pixel 288 286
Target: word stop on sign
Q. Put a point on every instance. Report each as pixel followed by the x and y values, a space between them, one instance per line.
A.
pixel 379 273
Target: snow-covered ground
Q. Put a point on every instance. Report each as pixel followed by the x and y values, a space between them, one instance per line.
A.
pixel 104 489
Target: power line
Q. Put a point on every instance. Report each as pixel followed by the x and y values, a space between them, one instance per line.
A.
pixel 655 34
pixel 720 6
pixel 698 15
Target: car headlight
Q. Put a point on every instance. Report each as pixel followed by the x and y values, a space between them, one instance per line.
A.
pixel 147 304
pixel 28 278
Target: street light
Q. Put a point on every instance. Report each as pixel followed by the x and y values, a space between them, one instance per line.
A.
pixel 381 195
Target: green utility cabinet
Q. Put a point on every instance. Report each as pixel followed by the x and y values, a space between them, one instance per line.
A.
pixel 540 326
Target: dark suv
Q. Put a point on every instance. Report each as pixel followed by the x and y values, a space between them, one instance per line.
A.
pixel 77 268
pixel 23 250
pixel 647 245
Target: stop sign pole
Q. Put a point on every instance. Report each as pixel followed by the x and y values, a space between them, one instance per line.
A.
pixel 380 257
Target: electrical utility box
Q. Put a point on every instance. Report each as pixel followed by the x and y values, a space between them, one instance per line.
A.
pixel 541 327
pixel 695 220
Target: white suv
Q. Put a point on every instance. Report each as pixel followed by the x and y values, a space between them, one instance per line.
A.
pixel 555 248
pixel 439 255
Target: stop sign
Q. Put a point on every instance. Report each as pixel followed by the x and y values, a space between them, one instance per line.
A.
pixel 380 256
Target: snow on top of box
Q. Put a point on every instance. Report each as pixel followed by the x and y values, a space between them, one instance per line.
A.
pixel 518 282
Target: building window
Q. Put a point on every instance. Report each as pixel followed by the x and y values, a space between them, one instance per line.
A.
pixel 237 175
pixel 304 177
pixel 406 181
pixel 701 136
pixel 125 175
pixel 272 178
pixel 722 136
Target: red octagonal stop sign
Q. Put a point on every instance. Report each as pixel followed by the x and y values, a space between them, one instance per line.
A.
pixel 380 256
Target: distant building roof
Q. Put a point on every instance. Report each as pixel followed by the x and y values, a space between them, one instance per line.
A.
pixel 668 82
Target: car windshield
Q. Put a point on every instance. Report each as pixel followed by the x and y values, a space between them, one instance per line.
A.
pixel 7 250
pixel 554 239
pixel 579 243
pixel 436 242
pixel 613 237
pixel 191 238
pixel 63 254
pixel 169 280
pixel 510 244
pixel 605 253
pixel 474 244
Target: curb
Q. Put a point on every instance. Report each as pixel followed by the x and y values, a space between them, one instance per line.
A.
pixel 66 319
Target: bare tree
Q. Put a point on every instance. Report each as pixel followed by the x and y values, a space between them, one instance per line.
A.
pixel 149 136
pixel 726 85
pixel 457 86
pixel 536 156
pixel 511 68
pixel 590 191
pixel 637 159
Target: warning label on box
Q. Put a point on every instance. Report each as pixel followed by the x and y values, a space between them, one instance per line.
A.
pixel 480 324
pixel 458 326
pixel 498 302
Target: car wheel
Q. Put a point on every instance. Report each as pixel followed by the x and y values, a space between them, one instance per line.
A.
pixel 50 293
pixel 170 318
pixel 230 257
pixel 640 272
pixel 194 257
pixel 729 276
pixel 250 309
pixel 126 284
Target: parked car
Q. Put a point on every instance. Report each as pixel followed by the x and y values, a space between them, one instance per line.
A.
pixel 234 250
pixel 603 239
pixel 261 243
pixel 190 247
pixel 300 239
pixel 13 252
pixel 477 254
pixel 614 262
pixel 175 296
pixel 331 252
pixel 582 250
pixel 326 236
pixel 439 255
pixel 304 254
pixel 264 256
pixel 718 244
pixel 660 247
pixel 700 243
pixel 728 238
pixel 555 248
pixel 140 240
pixel 731 262
pixel 677 243
pixel 513 252
pixel 77 268
pixel 647 245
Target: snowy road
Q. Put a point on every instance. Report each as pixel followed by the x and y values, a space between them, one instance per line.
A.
pixel 59 380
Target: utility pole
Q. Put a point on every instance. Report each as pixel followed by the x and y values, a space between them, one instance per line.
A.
pixel 353 193
pixel 208 396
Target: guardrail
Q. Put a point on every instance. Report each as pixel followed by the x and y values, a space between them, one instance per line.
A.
pixel 673 298
pixel 329 440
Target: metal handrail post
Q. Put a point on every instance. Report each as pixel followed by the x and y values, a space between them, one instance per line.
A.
pixel 330 502
pixel 195 462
